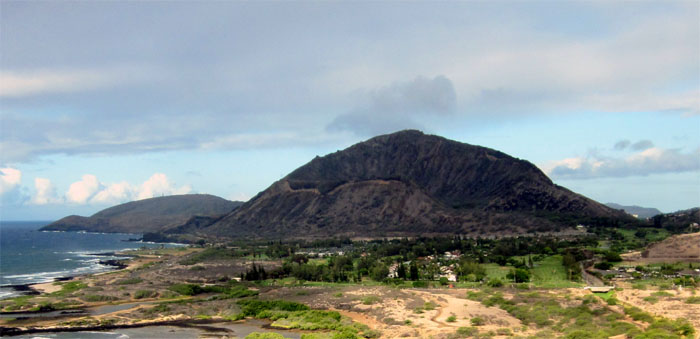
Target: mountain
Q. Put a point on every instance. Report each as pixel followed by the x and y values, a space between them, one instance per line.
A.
pixel 148 215
pixel 637 211
pixel 678 221
pixel 409 183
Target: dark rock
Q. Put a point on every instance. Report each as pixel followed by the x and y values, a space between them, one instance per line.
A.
pixel 407 184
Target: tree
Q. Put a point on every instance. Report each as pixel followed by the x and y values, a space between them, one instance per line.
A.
pixel 379 272
pixel 401 271
pixel 519 275
pixel 468 267
pixel 413 271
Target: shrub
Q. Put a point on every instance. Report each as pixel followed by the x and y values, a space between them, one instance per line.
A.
pixel 693 300
pixel 97 298
pixel 477 321
pixel 639 315
pixel 250 307
pixel 420 284
pixel 429 306
pixel 495 282
pixel 141 294
pixel 451 319
pixel 603 265
pixel 662 294
pixel 519 275
pixel 504 332
pixel 186 289
pixel 467 331
pixel 129 281
pixel 264 335
pixel 370 300
pixel 651 299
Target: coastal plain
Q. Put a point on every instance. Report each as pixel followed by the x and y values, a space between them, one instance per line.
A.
pixel 164 287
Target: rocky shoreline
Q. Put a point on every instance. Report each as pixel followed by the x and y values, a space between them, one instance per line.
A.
pixel 190 323
pixel 117 264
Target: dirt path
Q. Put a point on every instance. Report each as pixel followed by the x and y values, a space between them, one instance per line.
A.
pixel 590 279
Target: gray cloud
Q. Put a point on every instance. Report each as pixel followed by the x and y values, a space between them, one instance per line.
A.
pixel 648 161
pixel 622 144
pixel 642 145
pixel 397 106
pixel 131 77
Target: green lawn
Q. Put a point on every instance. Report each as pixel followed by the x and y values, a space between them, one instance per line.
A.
pixel 496 271
pixel 660 234
pixel 550 273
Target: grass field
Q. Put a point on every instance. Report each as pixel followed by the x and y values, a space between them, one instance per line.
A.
pixel 550 273
pixel 496 271
pixel 660 234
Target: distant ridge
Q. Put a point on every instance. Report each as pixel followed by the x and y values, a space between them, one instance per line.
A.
pixel 409 183
pixel 639 212
pixel 148 215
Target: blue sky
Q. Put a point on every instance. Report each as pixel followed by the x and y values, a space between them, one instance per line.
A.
pixel 107 102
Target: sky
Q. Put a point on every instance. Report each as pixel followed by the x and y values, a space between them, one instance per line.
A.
pixel 112 101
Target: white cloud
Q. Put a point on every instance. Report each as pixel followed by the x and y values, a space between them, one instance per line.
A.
pixel 9 179
pixel 81 191
pixel 157 185
pixel 45 192
pixel 90 190
pixel 652 160
pixel 114 193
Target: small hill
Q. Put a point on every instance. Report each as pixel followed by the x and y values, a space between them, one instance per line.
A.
pixel 406 184
pixel 148 215
pixel 637 211
pixel 677 247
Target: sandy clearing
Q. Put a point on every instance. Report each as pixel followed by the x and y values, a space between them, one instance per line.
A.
pixel 397 316
pixel 48 287
pixel 673 307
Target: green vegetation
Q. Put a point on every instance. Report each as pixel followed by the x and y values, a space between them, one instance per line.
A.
pixel 465 332
pixel 451 319
pixel 17 303
pixel 371 300
pixel 477 321
pixel 589 319
pixel 213 253
pixel 693 300
pixel 68 288
pixel 550 272
pixel 429 306
pixel 264 335
pixel 129 281
pixel 231 290
pixel 142 294
pixel 97 298
pixel 287 314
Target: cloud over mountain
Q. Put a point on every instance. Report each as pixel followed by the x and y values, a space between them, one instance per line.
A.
pixel 395 107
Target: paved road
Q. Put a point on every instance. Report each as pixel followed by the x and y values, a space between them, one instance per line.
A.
pixel 590 279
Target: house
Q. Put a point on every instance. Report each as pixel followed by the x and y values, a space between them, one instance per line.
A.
pixel 447 272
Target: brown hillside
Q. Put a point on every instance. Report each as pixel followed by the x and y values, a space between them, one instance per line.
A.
pixel 148 215
pixel 681 246
pixel 410 183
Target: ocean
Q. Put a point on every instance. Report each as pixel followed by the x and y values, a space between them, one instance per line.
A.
pixel 28 256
